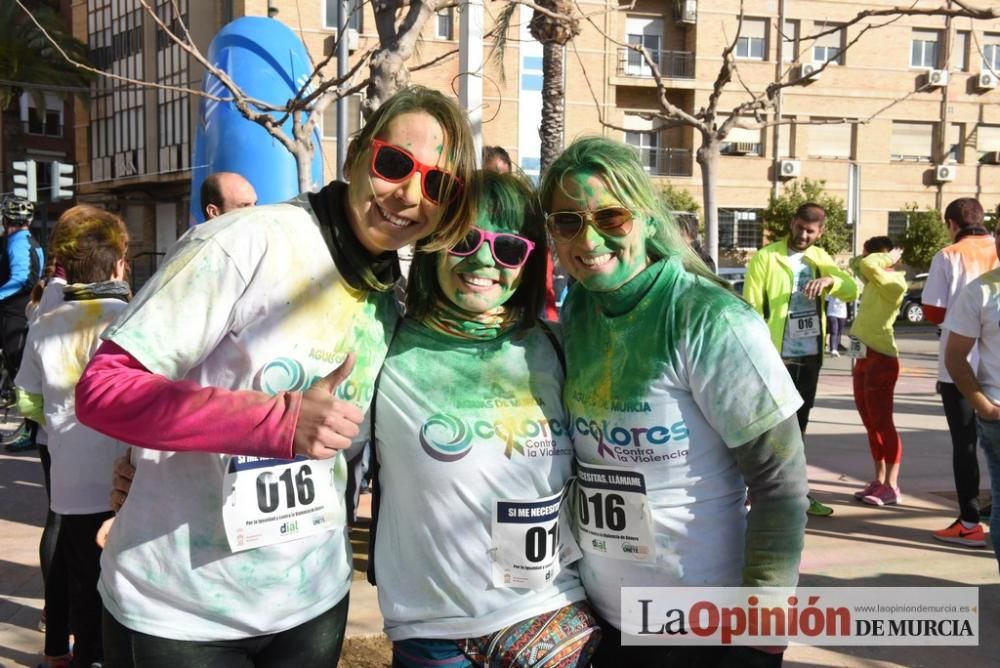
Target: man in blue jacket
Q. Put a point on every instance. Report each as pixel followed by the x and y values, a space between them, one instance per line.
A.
pixel 21 266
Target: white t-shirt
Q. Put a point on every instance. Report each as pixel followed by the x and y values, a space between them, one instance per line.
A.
pixel 836 308
pixel 250 300
pixel 59 345
pixel 667 389
pixel 800 307
pixel 461 425
pixel 52 296
pixel 952 269
pixel 975 313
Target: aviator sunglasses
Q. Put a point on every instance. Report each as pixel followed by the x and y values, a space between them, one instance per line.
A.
pixel 614 221
pixel 394 164
pixel 509 250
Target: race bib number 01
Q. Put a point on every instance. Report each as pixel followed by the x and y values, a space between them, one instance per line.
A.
pixel 271 501
pixel 613 518
pixel 857 349
pixel 803 325
pixel 531 542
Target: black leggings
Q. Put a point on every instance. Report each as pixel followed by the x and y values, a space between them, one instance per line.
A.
pixel 53 573
pixel 313 643
pixel 962 426
pixel 82 557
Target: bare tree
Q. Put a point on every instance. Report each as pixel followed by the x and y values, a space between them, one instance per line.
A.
pixel 398 31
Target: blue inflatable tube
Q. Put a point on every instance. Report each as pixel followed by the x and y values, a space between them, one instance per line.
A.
pixel 270 63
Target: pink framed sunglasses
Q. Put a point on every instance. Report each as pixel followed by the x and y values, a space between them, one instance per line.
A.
pixel 509 250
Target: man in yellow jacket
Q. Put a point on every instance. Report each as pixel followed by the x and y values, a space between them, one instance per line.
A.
pixel 788 282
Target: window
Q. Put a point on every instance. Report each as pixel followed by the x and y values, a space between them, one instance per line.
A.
pixel 329 124
pixel 740 228
pixel 991 53
pixel 898 222
pixel 444 24
pixel 829 47
pixel 331 19
pixel 742 141
pixel 752 44
pixel 912 141
pixel 987 139
pixel 648 145
pixel 960 51
pixel 834 140
pixel 645 32
pixel 790 41
pixel 46 121
pixel 924 49
pixel 956 140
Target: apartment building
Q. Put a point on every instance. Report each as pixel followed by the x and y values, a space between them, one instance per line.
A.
pixel 38 125
pixel 919 95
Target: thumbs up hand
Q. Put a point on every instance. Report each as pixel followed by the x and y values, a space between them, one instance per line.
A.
pixel 326 424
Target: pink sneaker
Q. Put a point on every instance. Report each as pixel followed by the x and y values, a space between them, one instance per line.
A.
pixel 883 495
pixel 869 488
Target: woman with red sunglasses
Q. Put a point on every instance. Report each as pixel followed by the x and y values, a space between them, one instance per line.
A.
pixel 677 404
pixel 242 370
pixel 471 559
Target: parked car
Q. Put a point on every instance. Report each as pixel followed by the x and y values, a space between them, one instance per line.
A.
pixel 912 309
pixel 735 275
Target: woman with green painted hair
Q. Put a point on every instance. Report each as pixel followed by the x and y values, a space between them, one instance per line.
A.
pixel 678 407
pixel 473 457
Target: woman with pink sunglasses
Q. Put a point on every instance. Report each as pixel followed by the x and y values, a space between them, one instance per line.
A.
pixel 243 369
pixel 471 552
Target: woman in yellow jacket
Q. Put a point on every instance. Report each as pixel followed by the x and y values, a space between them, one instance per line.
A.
pixel 876 373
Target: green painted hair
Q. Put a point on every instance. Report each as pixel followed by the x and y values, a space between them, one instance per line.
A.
pixel 510 204
pixel 457 213
pixel 618 165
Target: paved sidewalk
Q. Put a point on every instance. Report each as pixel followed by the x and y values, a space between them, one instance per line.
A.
pixel 858 546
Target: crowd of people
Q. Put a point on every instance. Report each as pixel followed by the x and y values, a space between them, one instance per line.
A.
pixel 269 349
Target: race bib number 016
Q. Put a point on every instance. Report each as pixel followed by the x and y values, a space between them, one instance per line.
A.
pixel 271 501
pixel 613 518
pixel 531 542
pixel 804 325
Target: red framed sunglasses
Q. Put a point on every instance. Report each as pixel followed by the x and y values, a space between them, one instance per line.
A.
pixel 394 164
pixel 509 250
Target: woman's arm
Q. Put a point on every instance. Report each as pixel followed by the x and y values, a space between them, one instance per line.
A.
pixel 774 468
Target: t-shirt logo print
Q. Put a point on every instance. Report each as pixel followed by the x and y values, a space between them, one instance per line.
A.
pixel 455 438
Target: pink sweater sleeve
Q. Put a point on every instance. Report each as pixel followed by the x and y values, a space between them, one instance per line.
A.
pixel 119 397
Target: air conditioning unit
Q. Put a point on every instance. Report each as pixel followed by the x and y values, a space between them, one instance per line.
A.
pixel 936 78
pixel 808 71
pixel 986 81
pixel 789 169
pixel 686 12
pixel 944 173
pixel 990 158
pixel 352 40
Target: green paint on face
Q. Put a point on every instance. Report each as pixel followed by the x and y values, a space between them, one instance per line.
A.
pixel 440 149
pixel 601 262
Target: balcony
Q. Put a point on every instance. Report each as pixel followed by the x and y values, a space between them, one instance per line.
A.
pixel 672 64
pixel 666 161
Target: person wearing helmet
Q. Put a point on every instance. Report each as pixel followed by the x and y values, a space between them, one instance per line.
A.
pixel 20 268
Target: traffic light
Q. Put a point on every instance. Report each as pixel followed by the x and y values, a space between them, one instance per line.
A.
pixel 25 179
pixel 62 180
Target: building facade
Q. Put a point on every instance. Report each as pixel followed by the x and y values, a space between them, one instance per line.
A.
pixel 911 106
